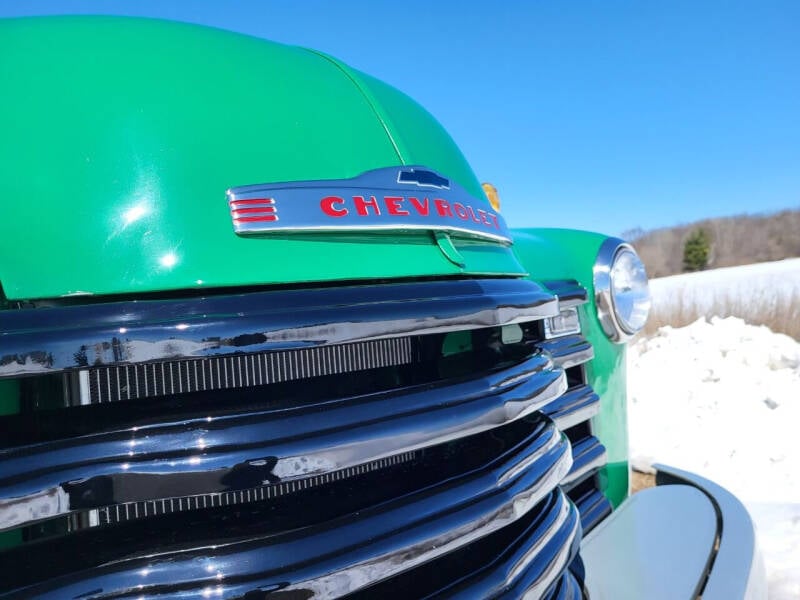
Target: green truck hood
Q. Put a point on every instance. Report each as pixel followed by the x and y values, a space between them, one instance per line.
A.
pixel 121 136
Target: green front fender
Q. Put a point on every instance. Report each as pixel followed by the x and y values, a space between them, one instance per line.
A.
pixel 550 254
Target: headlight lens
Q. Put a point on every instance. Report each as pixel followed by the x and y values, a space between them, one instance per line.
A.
pixel 629 291
pixel 622 293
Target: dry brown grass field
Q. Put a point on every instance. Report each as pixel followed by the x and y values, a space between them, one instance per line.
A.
pixel 781 314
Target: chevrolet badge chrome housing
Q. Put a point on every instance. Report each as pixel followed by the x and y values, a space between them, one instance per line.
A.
pixel 389 199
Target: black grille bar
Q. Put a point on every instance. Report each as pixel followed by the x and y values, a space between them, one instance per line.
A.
pixel 46 340
pixel 130 511
pixel 528 571
pixel 346 555
pixel 570 292
pixel 593 507
pixel 588 455
pixel 209 455
pixel 578 404
pixel 568 351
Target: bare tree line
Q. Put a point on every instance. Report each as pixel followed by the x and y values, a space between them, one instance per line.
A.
pixel 737 240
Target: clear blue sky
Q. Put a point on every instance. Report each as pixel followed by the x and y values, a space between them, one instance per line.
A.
pixel 598 115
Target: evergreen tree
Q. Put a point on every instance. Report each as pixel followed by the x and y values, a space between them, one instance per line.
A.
pixel 696 250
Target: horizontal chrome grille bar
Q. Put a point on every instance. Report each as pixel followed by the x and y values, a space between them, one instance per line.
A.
pixel 202 455
pixel 53 339
pixel 334 559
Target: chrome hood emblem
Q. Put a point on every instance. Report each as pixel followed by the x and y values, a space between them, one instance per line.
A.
pixel 390 199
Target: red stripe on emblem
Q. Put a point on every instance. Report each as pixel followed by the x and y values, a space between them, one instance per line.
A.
pixel 255 219
pixel 253 201
pixel 264 209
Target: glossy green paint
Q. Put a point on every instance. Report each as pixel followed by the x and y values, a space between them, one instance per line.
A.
pixel 417 136
pixel 121 136
pixel 567 254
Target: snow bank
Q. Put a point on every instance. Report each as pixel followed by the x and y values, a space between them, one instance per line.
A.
pixel 722 398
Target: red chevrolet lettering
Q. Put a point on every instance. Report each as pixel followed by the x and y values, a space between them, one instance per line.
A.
pixel 443 208
pixel 393 204
pixel 460 211
pixel 475 219
pixel 363 206
pixel 328 206
pixel 423 208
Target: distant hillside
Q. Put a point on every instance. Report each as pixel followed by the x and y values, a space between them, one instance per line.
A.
pixel 735 241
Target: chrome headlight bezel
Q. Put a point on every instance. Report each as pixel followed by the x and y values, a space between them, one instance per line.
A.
pixel 617 326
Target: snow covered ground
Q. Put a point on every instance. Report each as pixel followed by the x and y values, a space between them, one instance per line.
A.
pixel 761 285
pixel 722 398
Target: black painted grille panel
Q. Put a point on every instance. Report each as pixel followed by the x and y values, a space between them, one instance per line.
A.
pixel 130 511
pixel 131 382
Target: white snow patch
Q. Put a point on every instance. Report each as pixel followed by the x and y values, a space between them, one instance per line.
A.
pixel 722 398
pixel 761 285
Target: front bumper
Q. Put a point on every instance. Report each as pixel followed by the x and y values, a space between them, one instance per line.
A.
pixel 686 538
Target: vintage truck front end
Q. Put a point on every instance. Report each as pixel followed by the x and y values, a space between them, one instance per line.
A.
pixel 263 335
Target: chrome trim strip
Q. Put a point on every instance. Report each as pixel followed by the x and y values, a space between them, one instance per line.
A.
pixel 334 559
pixel 202 455
pixel 553 329
pixel 454 230
pixel 47 340
pixel 738 568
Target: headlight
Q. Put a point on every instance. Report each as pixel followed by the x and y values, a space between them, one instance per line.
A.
pixel 621 291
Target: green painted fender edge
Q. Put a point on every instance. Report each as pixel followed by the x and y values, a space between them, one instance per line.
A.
pixel 549 254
